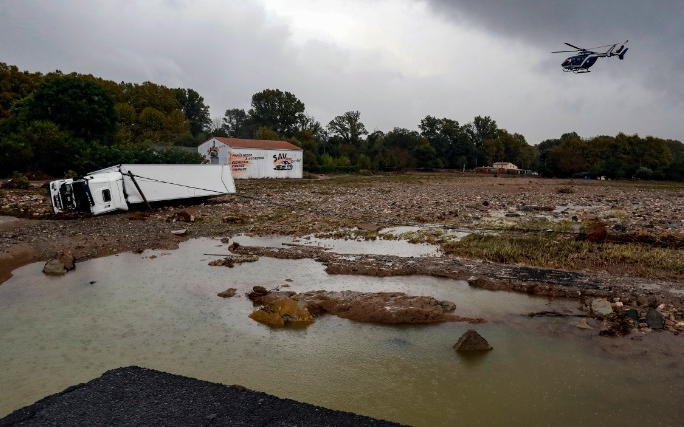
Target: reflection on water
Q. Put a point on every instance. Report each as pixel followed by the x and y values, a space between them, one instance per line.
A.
pixel 350 246
pixel 163 313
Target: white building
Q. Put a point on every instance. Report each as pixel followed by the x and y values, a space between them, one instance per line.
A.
pixel 504 165
pixel 255 158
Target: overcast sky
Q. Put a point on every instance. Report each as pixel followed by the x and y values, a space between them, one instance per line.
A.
pixel 395 61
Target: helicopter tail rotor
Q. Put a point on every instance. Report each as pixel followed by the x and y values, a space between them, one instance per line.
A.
pixel 620 52
pixel 621 55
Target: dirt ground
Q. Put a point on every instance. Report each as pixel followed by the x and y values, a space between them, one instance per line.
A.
pixel 30 232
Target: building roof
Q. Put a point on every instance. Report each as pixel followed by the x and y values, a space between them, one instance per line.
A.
pixel 257 143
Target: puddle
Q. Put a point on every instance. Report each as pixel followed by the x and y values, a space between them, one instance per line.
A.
pixel 400 248
pixel 163 313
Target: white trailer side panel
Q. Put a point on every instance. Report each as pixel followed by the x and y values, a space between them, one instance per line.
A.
pixel 266 163
pixel 172 182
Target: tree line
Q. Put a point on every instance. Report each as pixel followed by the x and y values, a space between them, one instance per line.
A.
pixel 58 122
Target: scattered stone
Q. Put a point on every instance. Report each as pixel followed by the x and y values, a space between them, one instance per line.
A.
pixel 257 292
pixel 234 259
pixel 472 341
pixel 654 320
pixel 181 232
pixel 232 220
pixel 186 215
pixel 228 293
pixel 138 216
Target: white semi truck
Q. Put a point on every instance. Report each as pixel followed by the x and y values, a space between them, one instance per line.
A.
pixel 118 187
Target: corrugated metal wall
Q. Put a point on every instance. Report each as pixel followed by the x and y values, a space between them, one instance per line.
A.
pixel 255 162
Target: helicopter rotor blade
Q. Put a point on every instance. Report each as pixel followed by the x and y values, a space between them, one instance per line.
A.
pixel 572 45
pixel 563 51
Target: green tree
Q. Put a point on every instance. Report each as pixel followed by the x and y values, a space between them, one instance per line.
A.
pixel 15 155
pixel 426 156
pixel 15 85
pixel 276 110
pixel 480 130
pixel 440 134
pixel 266 133
pixel 235 122
pixel 54 150
pixel 77 104
pixel 196 112
pixel 348 126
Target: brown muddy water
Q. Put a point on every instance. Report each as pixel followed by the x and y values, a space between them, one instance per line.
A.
pixel 159 310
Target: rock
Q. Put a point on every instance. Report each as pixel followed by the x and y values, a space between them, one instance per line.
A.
pixel 54 267
pixel 186 215
pixel 601 307
pixel 654 320
pixel 68 260
pixel 582 324
pixel 619 228
pixel 181 232
pixel 472 341
pixel 228 293
pixel 257 292
pixel 632 314
pixel 595 232
pixel 232 260
pixel 59 265
pixel 281 312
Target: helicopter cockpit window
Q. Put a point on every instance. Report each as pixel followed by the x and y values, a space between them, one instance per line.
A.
pixel 106 196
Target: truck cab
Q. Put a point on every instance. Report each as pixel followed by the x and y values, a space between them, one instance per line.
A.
pixel 94 194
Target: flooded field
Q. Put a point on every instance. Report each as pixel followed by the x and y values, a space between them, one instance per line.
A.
pixel 159 310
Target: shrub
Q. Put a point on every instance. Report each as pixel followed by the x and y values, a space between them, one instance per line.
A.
pixel 17 181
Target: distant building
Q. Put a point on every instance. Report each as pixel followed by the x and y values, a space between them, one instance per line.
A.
pixel 504 168
pixel 504 165
pixel 255 158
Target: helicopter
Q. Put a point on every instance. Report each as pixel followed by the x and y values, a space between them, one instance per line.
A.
pixel 585 58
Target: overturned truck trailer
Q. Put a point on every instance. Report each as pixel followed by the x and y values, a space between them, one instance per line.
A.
pixel 118 187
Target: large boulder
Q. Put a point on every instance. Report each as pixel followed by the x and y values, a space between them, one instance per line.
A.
pixel 472 341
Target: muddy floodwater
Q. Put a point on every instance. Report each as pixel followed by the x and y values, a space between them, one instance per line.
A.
pixel 159 310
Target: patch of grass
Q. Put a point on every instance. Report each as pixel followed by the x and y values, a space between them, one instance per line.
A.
pixel 561 251
pixel 619 214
